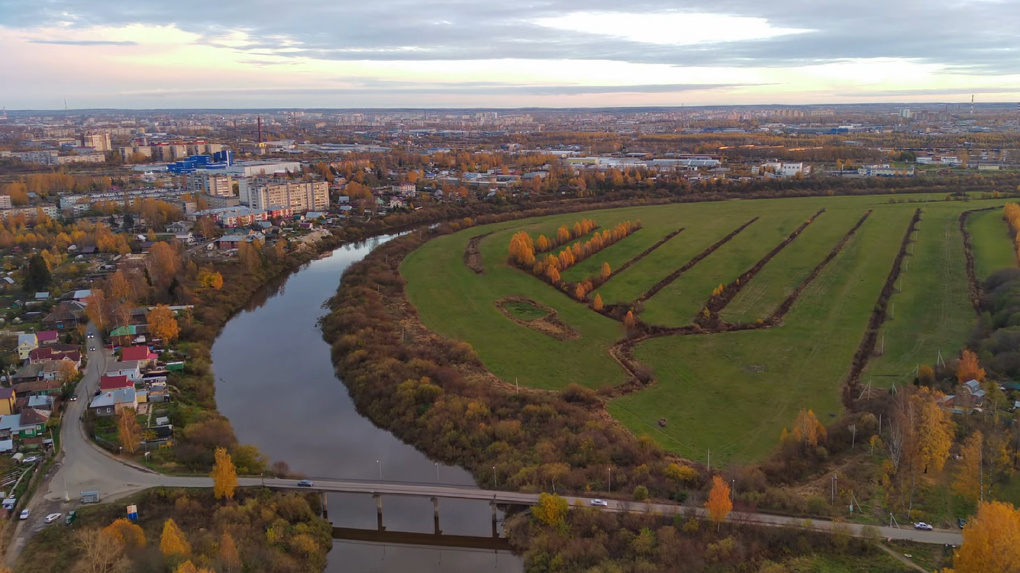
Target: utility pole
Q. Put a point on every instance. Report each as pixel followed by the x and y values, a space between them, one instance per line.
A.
pixel 709 460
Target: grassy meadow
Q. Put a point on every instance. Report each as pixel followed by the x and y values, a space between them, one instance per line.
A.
pixel 728 392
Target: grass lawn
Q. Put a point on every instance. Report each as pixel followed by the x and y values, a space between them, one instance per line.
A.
pixel 731 392
pixel 790 267
pixel 931 313
pixel 680 301
pixel 525 310
pixel 993 249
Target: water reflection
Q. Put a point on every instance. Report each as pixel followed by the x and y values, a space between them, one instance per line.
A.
pixel 275 382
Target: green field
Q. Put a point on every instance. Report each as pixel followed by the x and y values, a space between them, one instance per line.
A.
pixel 728 392
pixel 993 249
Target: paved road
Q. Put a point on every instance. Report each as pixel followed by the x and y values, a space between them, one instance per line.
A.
pixel 83 466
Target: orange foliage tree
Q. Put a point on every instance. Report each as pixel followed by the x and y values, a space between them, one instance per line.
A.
pixel 969 369
pixel 597 303
pixel 991 541
pixel 719 503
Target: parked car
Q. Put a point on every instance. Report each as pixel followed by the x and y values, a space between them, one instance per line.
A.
pixel 599 502
pixel 24 514
pixel 923 526
pixel 30 460
pixel 960 522
pixel 52 517
pixel 305 483
pixel 71 516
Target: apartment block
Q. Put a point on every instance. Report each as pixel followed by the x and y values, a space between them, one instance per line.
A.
pixel 298 196
pixel 210 183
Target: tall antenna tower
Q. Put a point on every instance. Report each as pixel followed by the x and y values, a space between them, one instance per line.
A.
pixel 972 104
pixel 260 129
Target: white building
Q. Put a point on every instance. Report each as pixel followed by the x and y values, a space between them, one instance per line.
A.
pixel 213 183
pixel 261 168
pixel 298 196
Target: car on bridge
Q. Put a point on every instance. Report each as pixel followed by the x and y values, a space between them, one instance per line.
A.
pixel 305 483
pixel 923 526
pixel 600 502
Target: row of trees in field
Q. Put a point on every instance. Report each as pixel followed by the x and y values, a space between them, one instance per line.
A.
pixel 1011 213
pixel 523 249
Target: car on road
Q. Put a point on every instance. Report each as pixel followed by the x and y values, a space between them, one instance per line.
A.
pixel 24 514
pixel 52 517
pixel 923 526
pixel 92 349
pixel 91 335
pixel 600 502
pixel 305 483
pixel 73 398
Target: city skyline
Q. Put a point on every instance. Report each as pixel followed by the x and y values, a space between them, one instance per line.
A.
pixel 396 54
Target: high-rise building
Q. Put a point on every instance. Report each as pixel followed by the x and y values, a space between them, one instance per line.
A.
pixel 298 196
pixel 98 141
pixel 210 183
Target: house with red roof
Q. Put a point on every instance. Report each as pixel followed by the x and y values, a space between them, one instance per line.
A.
pixel 141 354
pixel 108 383
pixel 47 336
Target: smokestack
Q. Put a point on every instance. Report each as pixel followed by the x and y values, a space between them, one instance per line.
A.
pixel 260 129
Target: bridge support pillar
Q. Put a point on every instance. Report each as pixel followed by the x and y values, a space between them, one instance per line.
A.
pixel 495 532
pixel 325 510
pixel 378 505
pixel 435 515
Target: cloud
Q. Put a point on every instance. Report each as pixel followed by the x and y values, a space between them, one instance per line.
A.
pixel 980 37
pixel 85 42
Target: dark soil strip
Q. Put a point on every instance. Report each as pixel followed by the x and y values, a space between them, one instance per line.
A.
pixel 710 313
pixel 697 259
pixel 550 324
pixel 852 387
pixel 472 256
pixel 973 284
pixel 643 254
pixel 777 316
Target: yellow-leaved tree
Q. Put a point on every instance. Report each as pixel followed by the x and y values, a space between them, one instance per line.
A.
pixel 719 504
pixel 934 431
pixel 551 509
pixel 125 532
pixel 597 303
pixel 173 543
pixel 230 557
pixel 991 541
pixel 189 567
pixel 163 324
pixel 224 475
pixel 968 478
pixel 969 369
pixel 129 433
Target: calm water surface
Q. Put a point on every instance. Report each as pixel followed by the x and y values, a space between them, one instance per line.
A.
pixel 275 382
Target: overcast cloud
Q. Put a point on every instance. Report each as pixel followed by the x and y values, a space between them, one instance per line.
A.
pixel 939 39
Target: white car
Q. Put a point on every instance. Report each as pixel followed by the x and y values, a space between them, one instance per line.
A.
pixel 600 502
pixel 923 526
pixel 30 460
pixel 52 517
pixel 24 515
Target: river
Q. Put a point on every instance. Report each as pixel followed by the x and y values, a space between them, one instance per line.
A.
pixel 276 384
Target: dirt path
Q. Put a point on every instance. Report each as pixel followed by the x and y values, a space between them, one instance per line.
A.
pixel 643 254
pixel 899 557
pixel 878 316
pixel 697 259
pixel 973 284
pixel 473 256
pixel 709 314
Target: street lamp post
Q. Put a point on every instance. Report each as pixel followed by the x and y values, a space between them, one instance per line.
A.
pixel 494 486
pixel 610 480
pixel 437 472
pixel 378 463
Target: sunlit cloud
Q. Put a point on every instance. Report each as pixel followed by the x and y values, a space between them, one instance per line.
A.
pixel 669 28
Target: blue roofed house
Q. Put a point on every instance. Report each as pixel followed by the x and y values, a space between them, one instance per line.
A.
pixel 27 343
pixel 109 403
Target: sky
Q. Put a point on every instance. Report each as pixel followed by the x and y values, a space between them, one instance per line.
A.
pixel 487 53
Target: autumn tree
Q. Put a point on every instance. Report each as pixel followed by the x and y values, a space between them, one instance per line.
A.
pixel 162 263
pixel 99 552
pixel 173 543
pixel 95 308
pixel 129 433
pixel 991 541
pixel 807 429
pixel 719 503
pixel 209 278
pixel 189 567
pixel 230 557
pixel 579 292
pixel 629 321
pixel 224 475
pixel 934 431
pixel 250 255
pixel 163 324
pixel 551 509
pixel 926 375
pixel 968 477
pixel 606 271
pixel 597 303
pixel 969 369
pixel 127 533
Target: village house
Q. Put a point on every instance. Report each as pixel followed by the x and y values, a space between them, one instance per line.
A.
pixel 111 402
pixel 107 383
pixel 127 368
pixel 56 352
pixel 28 424
pixel 66 315
pixel 8 399
pixel 46 337
pixel 144 356
pixel 26 343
